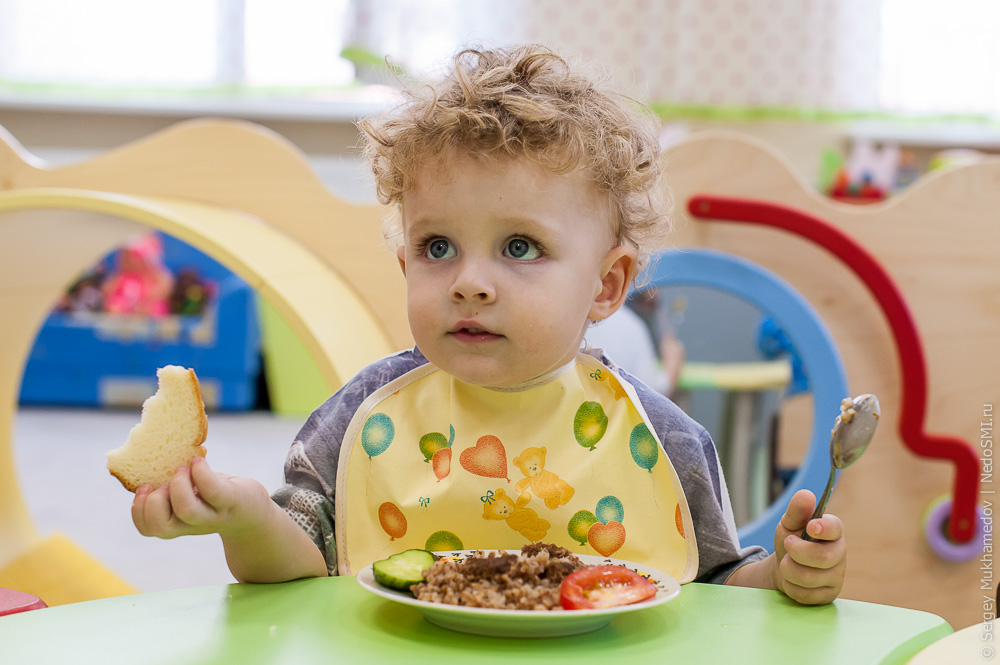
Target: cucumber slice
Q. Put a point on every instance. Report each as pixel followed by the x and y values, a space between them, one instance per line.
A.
pixel 403 570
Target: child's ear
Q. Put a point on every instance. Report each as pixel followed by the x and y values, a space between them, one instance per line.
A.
pixel 401 257
pixel 617 272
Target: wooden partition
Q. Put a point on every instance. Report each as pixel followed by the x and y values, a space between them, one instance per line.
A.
pixel 939 241
pixel 235 192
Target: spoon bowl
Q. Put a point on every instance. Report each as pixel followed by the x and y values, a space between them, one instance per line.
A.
pixel 852 432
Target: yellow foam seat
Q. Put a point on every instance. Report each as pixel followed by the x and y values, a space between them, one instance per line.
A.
pixel 58 571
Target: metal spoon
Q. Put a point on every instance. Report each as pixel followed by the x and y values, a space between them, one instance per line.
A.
pixel 849 438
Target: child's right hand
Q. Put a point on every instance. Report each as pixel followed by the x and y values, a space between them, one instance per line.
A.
pixel 198 500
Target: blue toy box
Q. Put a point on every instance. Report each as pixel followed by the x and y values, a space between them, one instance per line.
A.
pixel 98 359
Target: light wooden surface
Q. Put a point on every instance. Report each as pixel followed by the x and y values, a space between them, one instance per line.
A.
pixel 26 297
pixel 190 183
pixel 974 644
pixel 243 166
pixel 50 235
pixel 940 242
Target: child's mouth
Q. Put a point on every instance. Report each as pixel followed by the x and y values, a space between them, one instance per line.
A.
pixel 475 335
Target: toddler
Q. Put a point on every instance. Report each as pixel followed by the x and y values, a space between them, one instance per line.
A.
pixel 529 198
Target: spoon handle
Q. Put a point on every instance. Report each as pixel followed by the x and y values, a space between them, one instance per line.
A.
pixel 821 504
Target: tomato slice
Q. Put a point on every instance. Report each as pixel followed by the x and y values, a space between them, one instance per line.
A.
pixel 603 586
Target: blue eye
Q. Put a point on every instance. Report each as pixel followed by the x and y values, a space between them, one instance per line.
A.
pixel 522 250
pixel 439 248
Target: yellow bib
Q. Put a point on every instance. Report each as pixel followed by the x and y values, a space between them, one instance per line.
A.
pixel 432 463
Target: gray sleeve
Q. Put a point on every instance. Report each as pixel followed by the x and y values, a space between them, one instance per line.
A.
pixel 693 455
pixel 308 494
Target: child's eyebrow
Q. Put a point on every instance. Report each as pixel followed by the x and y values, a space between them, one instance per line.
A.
pixel 419 226
pixel 515 224
pixel 532 225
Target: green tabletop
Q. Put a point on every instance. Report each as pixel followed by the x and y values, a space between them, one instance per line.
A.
pixel 334 620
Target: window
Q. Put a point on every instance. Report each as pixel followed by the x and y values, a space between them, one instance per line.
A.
pixel 856 56
pixel 940 57
pixel 173 44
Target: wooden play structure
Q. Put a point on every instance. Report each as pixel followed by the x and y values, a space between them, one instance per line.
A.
pixel 234 191
pixel 936 247
pixel 247 197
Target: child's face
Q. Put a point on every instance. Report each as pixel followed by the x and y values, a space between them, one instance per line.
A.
pixel 504 264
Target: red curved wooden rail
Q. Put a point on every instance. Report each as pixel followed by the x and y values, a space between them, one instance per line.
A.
pixel 913 403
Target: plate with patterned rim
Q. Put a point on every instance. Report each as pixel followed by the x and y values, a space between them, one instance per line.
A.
pixel 526 623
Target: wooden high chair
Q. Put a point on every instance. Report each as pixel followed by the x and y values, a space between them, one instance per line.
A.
pixel 237 192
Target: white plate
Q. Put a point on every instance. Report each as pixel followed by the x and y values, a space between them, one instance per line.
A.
pixel 527 623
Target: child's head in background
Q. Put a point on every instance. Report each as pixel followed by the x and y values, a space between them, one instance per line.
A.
pixel 529 198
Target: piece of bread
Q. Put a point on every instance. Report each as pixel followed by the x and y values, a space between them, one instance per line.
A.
pixel 170 432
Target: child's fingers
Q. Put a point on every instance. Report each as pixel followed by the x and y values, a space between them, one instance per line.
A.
pixel 810 572
pixel 795 518
pixel 820 595
pixel 211 486
pixel 809 585
pixel 138 506
pixel 799 511
pixel 186 504
pixel 807 575
pixel 820 554
pixel 157 516
pixel 827 527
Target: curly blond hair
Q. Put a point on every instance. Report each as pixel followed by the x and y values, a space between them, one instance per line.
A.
pixel 525 101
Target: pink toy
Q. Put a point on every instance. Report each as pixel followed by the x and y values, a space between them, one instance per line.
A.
pixel 141 284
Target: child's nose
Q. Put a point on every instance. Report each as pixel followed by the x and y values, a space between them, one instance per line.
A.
pixel 473 284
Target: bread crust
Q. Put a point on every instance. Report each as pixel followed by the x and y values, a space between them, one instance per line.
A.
pixel 132 487
pixel 204 418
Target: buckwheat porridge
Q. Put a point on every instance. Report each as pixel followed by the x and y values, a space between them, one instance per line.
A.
pixel 526 581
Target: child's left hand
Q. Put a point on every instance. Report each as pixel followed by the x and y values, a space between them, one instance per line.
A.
pixel 811 573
